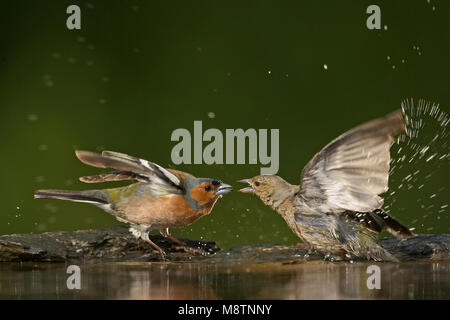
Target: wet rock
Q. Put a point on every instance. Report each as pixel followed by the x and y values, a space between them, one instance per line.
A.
pixel 421 246
pixel 418 247
pixel 261 253
pixel 117 244
pixel 102 245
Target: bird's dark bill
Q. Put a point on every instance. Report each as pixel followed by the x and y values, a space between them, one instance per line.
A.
pixel 223 189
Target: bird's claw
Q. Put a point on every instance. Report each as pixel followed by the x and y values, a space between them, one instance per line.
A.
pixel 162 254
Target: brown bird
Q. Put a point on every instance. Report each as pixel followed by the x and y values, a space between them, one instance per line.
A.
pixel 161 199
pixel 336 209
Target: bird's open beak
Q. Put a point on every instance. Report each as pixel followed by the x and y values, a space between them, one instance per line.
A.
pixel 247 189
pixel 223 188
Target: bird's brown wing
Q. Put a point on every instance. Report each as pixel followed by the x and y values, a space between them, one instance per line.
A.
pixel 113 176
pixel 353 169
pixel 180 174
pixel 130 168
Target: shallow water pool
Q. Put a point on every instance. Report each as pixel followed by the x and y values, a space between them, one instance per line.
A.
pixel 281 280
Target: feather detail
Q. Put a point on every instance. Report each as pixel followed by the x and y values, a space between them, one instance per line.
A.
pixel 378 221
pixel 113 176
pixel 142 170
pixel 97 197
pixel 149 166
pixel 352 170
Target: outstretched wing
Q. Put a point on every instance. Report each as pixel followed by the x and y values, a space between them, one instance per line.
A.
pixel 129 168
pixel 353 169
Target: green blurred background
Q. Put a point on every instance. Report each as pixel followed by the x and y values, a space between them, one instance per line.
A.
pixel 137 70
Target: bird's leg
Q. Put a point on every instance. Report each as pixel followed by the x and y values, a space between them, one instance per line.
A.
pixel 165 233
pixel 332 258
pixel 311 250
pixel 143 233
pixel 145 237
pixel 306 246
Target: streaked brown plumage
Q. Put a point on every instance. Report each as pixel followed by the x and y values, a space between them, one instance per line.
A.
pixel 336 209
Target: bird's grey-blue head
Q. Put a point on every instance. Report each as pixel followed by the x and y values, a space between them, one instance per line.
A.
pixel 200 192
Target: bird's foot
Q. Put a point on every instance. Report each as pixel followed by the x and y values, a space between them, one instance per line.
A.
pixel 163 255
pixel 181 245
pixel 306 246
pixel 161 252
pixel 157 248
pixel 332 258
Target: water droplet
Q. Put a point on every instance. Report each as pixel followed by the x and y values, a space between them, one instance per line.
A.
pixel 32 117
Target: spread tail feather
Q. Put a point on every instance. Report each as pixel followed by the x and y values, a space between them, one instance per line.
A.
pixel 391 225
pixel 378 220
pixel 96 197
pixel 397 229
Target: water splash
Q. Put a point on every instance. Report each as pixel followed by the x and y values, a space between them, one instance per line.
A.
pixel 419 167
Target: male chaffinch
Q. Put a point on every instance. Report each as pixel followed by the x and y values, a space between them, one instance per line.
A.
pixel 336 209
pixel 161 199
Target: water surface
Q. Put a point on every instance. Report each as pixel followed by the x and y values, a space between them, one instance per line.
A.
pixel 281 280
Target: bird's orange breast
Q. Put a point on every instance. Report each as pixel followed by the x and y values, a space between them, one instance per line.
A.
pixel 165 212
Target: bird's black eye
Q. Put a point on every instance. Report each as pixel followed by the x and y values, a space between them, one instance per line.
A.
pixel 208 188
pixel 257 183
pixel 215 182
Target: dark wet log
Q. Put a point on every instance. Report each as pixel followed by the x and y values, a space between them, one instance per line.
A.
pixel 419 247
pixel 117 244
pixel 102 245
